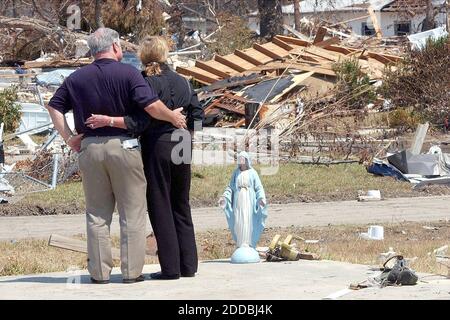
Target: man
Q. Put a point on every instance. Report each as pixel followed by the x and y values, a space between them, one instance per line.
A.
pixel 109 160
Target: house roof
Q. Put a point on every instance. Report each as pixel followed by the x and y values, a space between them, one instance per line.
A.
pixel 312 6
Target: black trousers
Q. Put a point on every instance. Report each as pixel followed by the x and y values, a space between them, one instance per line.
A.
pixel 169 209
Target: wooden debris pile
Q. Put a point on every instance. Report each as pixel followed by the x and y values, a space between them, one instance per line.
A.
pixel 276 73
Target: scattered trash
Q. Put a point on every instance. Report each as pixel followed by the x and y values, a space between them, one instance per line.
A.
pixel 372 195
pixel 386 255
pixel 400 274
pixel 374 233
pixel 430 228
pixel 286 250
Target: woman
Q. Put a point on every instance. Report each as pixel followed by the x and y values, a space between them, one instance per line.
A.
pixel 168 180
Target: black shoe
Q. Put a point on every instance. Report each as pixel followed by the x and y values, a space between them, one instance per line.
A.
pixel 162 276
pixel 99 281
pixel 138 279
pixel 188 275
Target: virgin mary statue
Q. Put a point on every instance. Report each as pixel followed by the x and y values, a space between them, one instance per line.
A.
pixel 244 204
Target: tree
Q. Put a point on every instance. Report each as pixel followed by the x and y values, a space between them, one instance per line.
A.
pixel 297 15
pixel 271 18
pixel 429 23
pixel 98 14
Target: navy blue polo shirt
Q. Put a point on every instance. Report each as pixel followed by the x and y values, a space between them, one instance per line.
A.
pixel 105 87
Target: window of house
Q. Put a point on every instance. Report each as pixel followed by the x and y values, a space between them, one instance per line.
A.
pixel 402 28
pixel 367 30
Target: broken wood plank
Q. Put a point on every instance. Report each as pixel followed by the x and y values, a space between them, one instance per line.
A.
pixel 299 66
pixel 199 74
pixel 340 49
pixel 309 256
pixel 57 63
pixel 240 123
pixel 266 51
pixel 295 41
pixel 282 44
pixel 231 61
pixel 322 53
pixel 212 67
pixel 257 55
pixel 249 58
pixel 325 44
pixel 320 35
pixel 384 58
pixel 295 32
pixel 375 22
pixel 76 245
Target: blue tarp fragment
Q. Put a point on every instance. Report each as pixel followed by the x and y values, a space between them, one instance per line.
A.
pixel 380 168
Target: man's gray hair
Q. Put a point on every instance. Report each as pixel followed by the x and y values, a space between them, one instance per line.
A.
pixel 102 40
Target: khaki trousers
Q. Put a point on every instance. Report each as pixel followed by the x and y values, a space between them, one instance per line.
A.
pixel 113 175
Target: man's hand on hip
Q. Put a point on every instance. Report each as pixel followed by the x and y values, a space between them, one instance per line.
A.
pixel 74 142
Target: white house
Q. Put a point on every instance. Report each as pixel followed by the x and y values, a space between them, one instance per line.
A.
pixel 392 16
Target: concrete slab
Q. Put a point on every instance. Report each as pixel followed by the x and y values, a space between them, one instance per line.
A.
pixel 221 280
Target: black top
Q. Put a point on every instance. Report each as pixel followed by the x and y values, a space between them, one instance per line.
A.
pixel 107 87
pixel 176 92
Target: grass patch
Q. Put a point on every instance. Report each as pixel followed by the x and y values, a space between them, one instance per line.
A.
pixel 292 183
pixel 339 243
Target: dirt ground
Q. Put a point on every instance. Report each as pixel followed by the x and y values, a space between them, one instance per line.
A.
pixel 17 209
pixel 338 243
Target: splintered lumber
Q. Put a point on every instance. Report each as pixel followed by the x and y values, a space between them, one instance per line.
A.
pixel 280 50
pixel 254 56
pixel 375 22
pixel 322 53
pixel 234 62
pixel 57 63
pixel 200 75
pixel 309 256
pixel 384 58
pixel 216 68
pixel 290 40
pixel 76 245
pixel 328 42
pixel 295 32
pixel 272 50
pixel 320 69
pixel 320 35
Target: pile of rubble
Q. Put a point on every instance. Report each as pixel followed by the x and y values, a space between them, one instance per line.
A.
pixel 245 86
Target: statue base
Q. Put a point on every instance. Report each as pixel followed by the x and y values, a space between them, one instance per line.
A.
pixel 245 255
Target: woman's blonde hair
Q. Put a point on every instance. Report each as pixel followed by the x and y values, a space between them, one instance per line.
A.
pixel 153 51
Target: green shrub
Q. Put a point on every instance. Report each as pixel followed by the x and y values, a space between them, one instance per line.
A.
pixel 353 84
pixel 422 81
pixel 10 113
pixel 404 119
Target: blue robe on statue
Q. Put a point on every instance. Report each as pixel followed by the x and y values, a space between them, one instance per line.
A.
pixel 258 214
